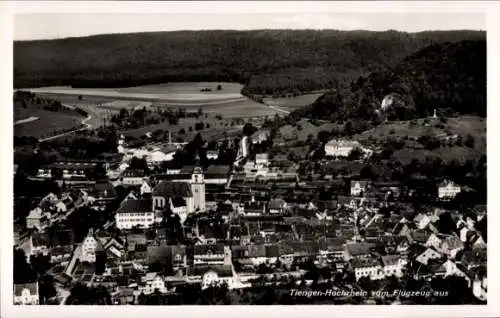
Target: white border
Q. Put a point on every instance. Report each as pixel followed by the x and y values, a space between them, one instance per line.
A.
pixel 7 9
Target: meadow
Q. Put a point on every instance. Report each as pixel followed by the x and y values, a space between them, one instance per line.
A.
pixel 228 101
pixel 48 124
pixel 293 102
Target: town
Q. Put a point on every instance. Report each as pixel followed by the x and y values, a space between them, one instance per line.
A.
pixel 273 166
pixel 142 228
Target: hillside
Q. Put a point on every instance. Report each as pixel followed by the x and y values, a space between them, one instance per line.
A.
pixel 269 62
pixel 449 77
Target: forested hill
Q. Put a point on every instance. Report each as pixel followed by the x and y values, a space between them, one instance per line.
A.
pixel 449 77
pixel 266 61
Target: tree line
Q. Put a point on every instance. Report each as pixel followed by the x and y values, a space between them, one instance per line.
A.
pixel 449 77
pixel 267 62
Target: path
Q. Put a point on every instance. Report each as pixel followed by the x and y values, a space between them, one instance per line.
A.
pixel 25 120
pixel 272 106
pixel 84 122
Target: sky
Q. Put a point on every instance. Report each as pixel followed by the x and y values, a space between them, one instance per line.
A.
pixel 34 26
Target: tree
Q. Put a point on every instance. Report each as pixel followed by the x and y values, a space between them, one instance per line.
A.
pixel 355 154
pixel 470 141
pixel 248 129
pixel 323 136
pixel 138 164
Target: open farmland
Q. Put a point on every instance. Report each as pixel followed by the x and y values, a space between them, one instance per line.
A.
pixel 410 131
pixel 215 129
pixel 294 102
pixel 48 124
pixel 228 101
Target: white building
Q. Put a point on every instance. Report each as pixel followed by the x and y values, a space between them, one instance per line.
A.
pixel 340 148
pixel 359 187
pixel 427 255
pixel 393 265
pixel 262 159
pixel 212 154
pixel 368 268
pixel 448 190
pixel 133 177
pixel 218 276
pixel 135 213
pixel 26 294
pixel 90 246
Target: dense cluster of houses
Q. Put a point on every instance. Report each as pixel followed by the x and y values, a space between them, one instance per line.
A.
pixel 241 223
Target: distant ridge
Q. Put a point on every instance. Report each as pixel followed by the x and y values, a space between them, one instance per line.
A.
pixel 271 62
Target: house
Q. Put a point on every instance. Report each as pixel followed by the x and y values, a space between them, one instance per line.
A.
pixel 424 221
pixel 427 255
pixel 26 294
pixel 340 148
pixel 90 246
pixel 216 276
pixel 401 229
pixel 212 254
pixel 174 255
pixel 217 174
pixel 448 190
pixel 135 213
pixel 33 220
pixel 145 188
pixel 393 265
pixel 101 193
pixel 452 245
pixel 277 206
pixel 262 159
pixel 359 188
pixel 152 282
pixel 212 154
pixel 133 177
pixel 61 255
pixel 360 250
pixel 454 269
pixel 369 267
pixel 480 284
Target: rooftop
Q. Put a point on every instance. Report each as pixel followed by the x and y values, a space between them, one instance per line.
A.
pixel 135 205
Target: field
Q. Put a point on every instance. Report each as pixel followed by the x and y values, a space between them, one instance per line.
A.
pixel 35 121
pixel 292 103
pixel 216 129
pixel 462 126
pixel 302 130
pixel 228 101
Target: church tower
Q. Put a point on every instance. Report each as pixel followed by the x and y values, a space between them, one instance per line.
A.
pixel 198 187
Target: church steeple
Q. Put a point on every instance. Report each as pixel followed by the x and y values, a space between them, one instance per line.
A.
pixel 197 159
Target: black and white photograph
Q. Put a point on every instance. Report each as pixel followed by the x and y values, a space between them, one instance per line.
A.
pixel 247 158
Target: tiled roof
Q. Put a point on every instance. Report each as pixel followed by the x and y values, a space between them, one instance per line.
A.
pixel 360 263
pixel 103 189
pixel 359 248
pixel 217 170
pixel 388 260
pixel 221 270
pixel 205 249
pixel 139 205
pixel 173 189
pixel 256 250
